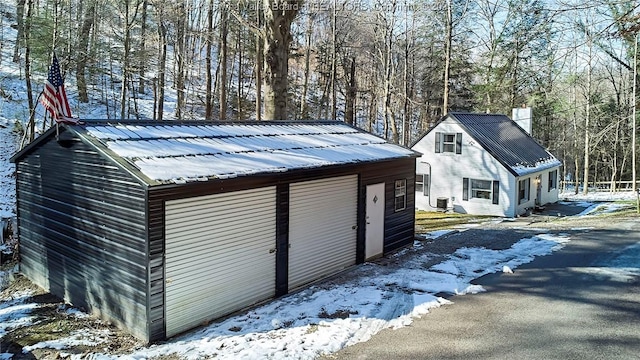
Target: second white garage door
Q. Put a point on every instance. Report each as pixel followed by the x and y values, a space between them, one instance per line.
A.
pixel 322 228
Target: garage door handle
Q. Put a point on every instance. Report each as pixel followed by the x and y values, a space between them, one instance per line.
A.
pixel 271 251
pixel 354 227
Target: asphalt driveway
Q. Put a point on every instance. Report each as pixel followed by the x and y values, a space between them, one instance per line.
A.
pixel 577 303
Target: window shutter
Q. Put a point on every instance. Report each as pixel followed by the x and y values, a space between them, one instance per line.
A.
pixel 496 192
pixel 459 143
pixel 438 141
pixel 465 188
pixel 425 189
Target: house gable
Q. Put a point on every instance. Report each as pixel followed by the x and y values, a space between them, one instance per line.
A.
pixel 452 176
pixel 474 162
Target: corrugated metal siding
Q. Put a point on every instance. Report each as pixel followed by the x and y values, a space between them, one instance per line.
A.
pixel 399 227
pixel 322 234
pixel 219 255
pixel 155 219
pixel 82 231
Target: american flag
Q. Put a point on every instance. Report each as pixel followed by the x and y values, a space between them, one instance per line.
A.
pixel 54 98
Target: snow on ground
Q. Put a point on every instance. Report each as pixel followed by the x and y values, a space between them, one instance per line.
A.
pixel 327 317
pixel 596 196
pixel 7 179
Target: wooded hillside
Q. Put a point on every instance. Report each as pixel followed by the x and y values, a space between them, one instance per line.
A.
pixel 393 67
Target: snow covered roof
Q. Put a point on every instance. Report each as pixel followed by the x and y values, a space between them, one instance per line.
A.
pixel 505 140
pixel 178 152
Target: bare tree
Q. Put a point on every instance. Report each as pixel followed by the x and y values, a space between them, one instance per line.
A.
pixel 20 36
pixel 82 50
pixel 278 16
pixel 208 58
pixel 304 103
pixel 181 57
pixel 162 60
pixel 223 46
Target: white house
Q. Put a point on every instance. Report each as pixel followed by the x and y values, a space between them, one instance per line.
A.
pixel 483 164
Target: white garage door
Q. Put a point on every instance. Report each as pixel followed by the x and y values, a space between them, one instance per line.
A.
pixel 322 228
pixel 220 255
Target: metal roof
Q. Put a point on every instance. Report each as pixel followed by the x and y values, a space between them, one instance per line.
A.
pixel 179 152
pixel 506 141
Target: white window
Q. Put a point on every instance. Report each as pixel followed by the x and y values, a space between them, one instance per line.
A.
pixel 553 180
pixel 448 143
pixel 524 187
pixel 400 194
pixel 422 184
pixel 481 189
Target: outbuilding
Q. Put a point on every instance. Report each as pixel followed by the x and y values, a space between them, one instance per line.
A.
pixel 163 226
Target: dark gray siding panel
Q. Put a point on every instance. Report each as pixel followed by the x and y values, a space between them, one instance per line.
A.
pixel 399 227
pixel 83 232
pixel 156 211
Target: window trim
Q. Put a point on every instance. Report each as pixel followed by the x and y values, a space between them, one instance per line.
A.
pixel 493 190
pixel 455 144
pixel 553 180
pixel 524 194
pixel 473 188
pixel 423 182
pixel 446 143
pixel 400 193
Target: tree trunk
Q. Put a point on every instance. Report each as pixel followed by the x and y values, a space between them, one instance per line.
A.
pixel 143 48
pixel 390 122
pixel 181 24
pixel 447 57
pixel 224 32
pixel 407 78
pixel 21 34
pixel 585 181
pixel 352 91
pixel 634 185
pixel 27 72
pixel 278 15
pixel 162 62
pixel 82 54
pixel 259 63
pixel 240 79
pixel 304 105
pixel 208 114
pixel 334 61
pixel 125 60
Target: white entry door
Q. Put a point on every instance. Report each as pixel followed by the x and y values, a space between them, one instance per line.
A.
pixel 374 230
